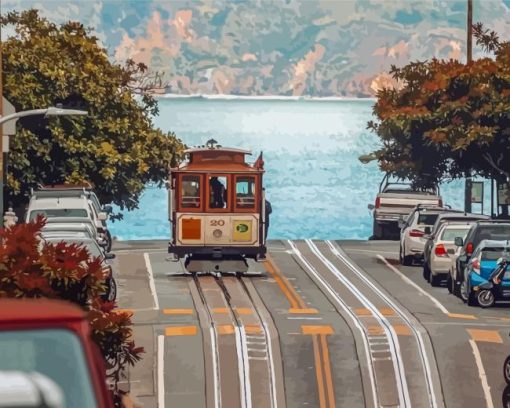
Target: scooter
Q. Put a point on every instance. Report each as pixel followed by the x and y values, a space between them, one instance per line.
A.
pixel 491 290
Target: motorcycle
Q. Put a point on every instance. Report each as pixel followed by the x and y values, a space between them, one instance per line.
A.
pixel 493 289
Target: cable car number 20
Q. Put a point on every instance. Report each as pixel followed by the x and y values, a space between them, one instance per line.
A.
pixel 217 223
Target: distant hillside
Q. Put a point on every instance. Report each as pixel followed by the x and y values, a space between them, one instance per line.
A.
pixel 263 47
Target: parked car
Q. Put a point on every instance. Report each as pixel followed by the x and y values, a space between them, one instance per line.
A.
pixel 443 249
pixel 95 251
pixel 485 229
pixel 53 338
pixel 432 232
pixel 70 191
pixel 479 271
pixel 81 230
pixel 412 233
pixel 396 200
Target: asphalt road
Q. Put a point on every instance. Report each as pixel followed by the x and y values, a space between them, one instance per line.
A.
pixel 320 324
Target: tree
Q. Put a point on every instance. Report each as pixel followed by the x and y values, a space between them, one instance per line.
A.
pixel 449 120
pixel 115 147
pixel 66 271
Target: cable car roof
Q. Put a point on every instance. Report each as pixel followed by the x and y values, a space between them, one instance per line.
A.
pixel 218 149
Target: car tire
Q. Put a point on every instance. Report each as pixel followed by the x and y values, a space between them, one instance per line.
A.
pixel 471 299
pixel 434 280
pixel 110 294
pixel 405 260
pixel 426 271
pixel 109 241
pixel 449 284
pixel 506 370
pixel 463 291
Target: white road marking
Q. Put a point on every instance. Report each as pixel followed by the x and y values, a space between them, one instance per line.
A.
pixel 151 280
pixel 481 373
pixel 271 364
pixel 394 344
pixel 243 366
pixel 372 251
pixel 417 333
pixel 215 364
pixel 349 312
pixel 161 372
pixel 410 282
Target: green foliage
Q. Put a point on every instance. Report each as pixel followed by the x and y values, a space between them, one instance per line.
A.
pixel 448 120
pixel 115 147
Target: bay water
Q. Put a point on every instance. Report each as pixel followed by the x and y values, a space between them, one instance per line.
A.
pixel 317 186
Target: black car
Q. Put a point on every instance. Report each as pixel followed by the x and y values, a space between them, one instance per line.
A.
pixel 488 229
pixel 431 232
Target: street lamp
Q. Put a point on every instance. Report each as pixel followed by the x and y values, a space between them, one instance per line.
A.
pixel 51 111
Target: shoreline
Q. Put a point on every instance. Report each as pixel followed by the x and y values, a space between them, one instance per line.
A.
pixel 225 97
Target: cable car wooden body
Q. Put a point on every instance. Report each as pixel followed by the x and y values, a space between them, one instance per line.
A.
pixel 217 210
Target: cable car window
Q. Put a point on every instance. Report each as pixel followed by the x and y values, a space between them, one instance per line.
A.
pixel 190 193
pixel 218 192
pixel 245 192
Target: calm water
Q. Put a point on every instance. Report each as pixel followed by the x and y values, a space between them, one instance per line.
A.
pixel 316 185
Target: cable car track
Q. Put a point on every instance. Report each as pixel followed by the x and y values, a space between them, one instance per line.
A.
pixel 232 311
pixel 386 335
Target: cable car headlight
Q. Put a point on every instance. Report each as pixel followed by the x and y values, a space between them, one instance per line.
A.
pixel 217 233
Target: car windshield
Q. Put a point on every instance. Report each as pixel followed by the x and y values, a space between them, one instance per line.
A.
pixel 91 246
pixel 449 234
pixel 493 232
pixel 56 353
pixel 427 219
pixel 494 253
pixel 59 212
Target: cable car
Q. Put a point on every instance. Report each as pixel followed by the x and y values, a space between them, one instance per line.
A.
pixel 216 208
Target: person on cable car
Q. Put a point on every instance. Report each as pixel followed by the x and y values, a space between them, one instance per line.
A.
pixel 268 210
pixel 218 193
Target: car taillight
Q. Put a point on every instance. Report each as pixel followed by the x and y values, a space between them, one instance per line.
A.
pixel 469 248
pixel 475 265
pixel 377 202
pixel 416 233
pixel 440 250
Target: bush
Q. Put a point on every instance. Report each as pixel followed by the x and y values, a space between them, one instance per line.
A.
pixel 29 268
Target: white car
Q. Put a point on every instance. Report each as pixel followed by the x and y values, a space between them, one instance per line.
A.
pixel 412 233
pixel 443 250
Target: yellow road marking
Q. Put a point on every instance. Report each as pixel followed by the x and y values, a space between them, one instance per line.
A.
pixel 225 329
pixel 178 311
pixel 362 311
pixel 387 311
pixel 220 310
pixel 303 311
pixel 296 302
pixel 375 330
pixel 130 311
pixel 181 331
pixel 402 329
pixel 252 329
pixel 488 336
pixel 462 316
pixel 317 330
pixel 318 372
pixel 243 310
pixel 327 370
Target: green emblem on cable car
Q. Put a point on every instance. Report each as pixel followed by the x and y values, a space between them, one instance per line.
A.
pixel 242 228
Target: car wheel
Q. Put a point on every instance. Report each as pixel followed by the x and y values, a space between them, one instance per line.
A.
pixel 426 271
pixel 485 298
pixel 110 294
pixel 109 241
pixel 506 370
pixel 449 284
pixel 435 280
pixel 471 297
pixel 463 291
pixel 405 260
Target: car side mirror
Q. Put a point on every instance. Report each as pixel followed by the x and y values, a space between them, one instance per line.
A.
pixel 459 241
pixel 102 216
pixel 371 207
pixel 108 209
pixel 109 256
pixel 427 231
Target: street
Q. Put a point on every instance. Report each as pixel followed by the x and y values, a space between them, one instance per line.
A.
pixel 319 324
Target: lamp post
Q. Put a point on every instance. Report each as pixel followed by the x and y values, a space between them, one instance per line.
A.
pixel 51 111
pixel 469 58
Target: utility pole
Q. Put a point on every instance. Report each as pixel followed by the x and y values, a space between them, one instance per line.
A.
pixel 469 59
